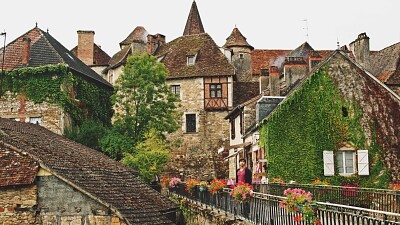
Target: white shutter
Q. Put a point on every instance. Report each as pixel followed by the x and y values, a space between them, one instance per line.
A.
pixel 362 160
pixel 329 169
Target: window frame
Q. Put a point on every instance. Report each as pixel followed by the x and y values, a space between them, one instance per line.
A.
pixel 343 153
pixel 189 58
pixel 173 89
pixel 215 88
pixel 190 124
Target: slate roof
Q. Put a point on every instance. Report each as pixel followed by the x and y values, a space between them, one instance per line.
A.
pixel 92 173
pixel 100 57
pixel 193 23
pixel 119 58
pixel 385 64
pixel 45 50
pixel 236 39
pixel 139 34
pixel 209 59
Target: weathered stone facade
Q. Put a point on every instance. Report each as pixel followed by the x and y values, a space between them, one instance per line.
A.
pixel 18 205
pixel 18 108
pixel 195 153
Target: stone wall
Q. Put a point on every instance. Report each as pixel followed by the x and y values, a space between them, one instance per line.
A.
pixel 19 108
pixel 242 64
pixel 195 154
pixel 18 205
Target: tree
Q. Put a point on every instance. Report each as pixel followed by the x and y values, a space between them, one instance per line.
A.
pixel 149 157
pixel 143 100
pixel 89 133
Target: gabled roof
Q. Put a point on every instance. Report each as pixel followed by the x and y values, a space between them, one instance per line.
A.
pixel 100 57
pixel 90 172
pixel 236 39
pixel 327 59
pixel 193 23
pixel 385 64
pixel 139 34
pixel 209 59
pixel 45 50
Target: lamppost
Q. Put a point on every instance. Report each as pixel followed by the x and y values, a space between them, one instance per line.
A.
pixel 2 63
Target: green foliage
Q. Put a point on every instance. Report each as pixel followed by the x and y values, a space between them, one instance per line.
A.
pixel 54 84
pixel 143 99
pixel 89 134
pixel 149 156
pixel 115 143
pixel 310 121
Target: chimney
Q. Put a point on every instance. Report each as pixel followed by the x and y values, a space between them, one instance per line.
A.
pixel 86 46
pixel 26 50
pixel 264 79
pixel 274 85
pixel 294 69
pixel 360 49
pixel 154 42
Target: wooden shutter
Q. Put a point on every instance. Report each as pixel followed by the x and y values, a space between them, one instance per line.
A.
pixel 362 162
pixel 329 169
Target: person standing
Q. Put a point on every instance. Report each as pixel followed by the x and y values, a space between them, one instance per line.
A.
pixel 243 174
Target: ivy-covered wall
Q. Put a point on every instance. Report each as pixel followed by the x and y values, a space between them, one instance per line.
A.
pixel 57 85
pixel 328 111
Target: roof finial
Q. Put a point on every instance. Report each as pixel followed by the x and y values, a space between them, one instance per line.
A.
pixel 337 42
pixel 36 24
pixel 47 30
pixel 235 26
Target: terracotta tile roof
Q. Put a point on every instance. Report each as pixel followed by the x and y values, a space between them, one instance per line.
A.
pixel 209 59
pixel 139 34
pixel 261 59
pixel 45 50
pixel 385 64
pixel 236 39
pixel 243 91
pixel 16 168
pixel 94 174
pixel 100 57
pixel 193 23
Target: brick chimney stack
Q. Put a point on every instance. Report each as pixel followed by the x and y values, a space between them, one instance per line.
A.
pixel 274 81
pixel 154 42
pixel 86 46
pixel 26 50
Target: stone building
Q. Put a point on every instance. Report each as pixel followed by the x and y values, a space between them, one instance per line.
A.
pixel 343 121
pixel 44 83
pixel 138 41
pixel 90 53
pixel 47 179
pixel 202 78
pixel 384 64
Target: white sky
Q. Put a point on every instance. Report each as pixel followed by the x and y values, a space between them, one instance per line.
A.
pixel 267 24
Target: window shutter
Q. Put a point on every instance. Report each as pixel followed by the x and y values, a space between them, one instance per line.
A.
pixel 363 164
pixel 329 169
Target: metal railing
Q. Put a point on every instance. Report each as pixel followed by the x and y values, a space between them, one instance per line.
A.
pixel 264 209
pixel 369 198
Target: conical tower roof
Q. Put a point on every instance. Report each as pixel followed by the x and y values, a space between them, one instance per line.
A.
pixel 236 39
pixel 193 23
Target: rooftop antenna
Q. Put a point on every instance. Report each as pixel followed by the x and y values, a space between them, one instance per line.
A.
pixel 306 28
pixel 337 42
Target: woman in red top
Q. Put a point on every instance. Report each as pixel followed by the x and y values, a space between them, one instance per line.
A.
pixel 243 174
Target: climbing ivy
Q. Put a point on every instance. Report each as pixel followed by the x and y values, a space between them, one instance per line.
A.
pixel 314 118
pixel 54 84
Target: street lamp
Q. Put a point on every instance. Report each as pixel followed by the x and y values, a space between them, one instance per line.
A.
pixel 2 63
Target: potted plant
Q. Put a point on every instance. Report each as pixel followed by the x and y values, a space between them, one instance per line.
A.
pixel 277 180
pixel 242 192
pixel 191 185
pixel 299 201
pixel 165 182
pixel 216 186
pixel 174 182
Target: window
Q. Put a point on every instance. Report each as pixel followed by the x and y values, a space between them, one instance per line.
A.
pixel 190 123
pixel 176 90
pixel 35 120
pixel 345 162
pixel 233 133
pixel 215 90
pixel 111 78
pixel 241 55
pixel 345 113
pixel 190 60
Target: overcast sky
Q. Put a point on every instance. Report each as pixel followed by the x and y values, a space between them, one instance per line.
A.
pixel 266 24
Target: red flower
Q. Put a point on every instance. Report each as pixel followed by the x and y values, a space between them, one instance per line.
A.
pixel 298 218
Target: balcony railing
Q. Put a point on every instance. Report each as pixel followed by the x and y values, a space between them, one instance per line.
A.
pixel 376 199
pixel 264 209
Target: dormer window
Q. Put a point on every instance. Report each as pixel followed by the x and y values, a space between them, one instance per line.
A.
pixel 190 60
